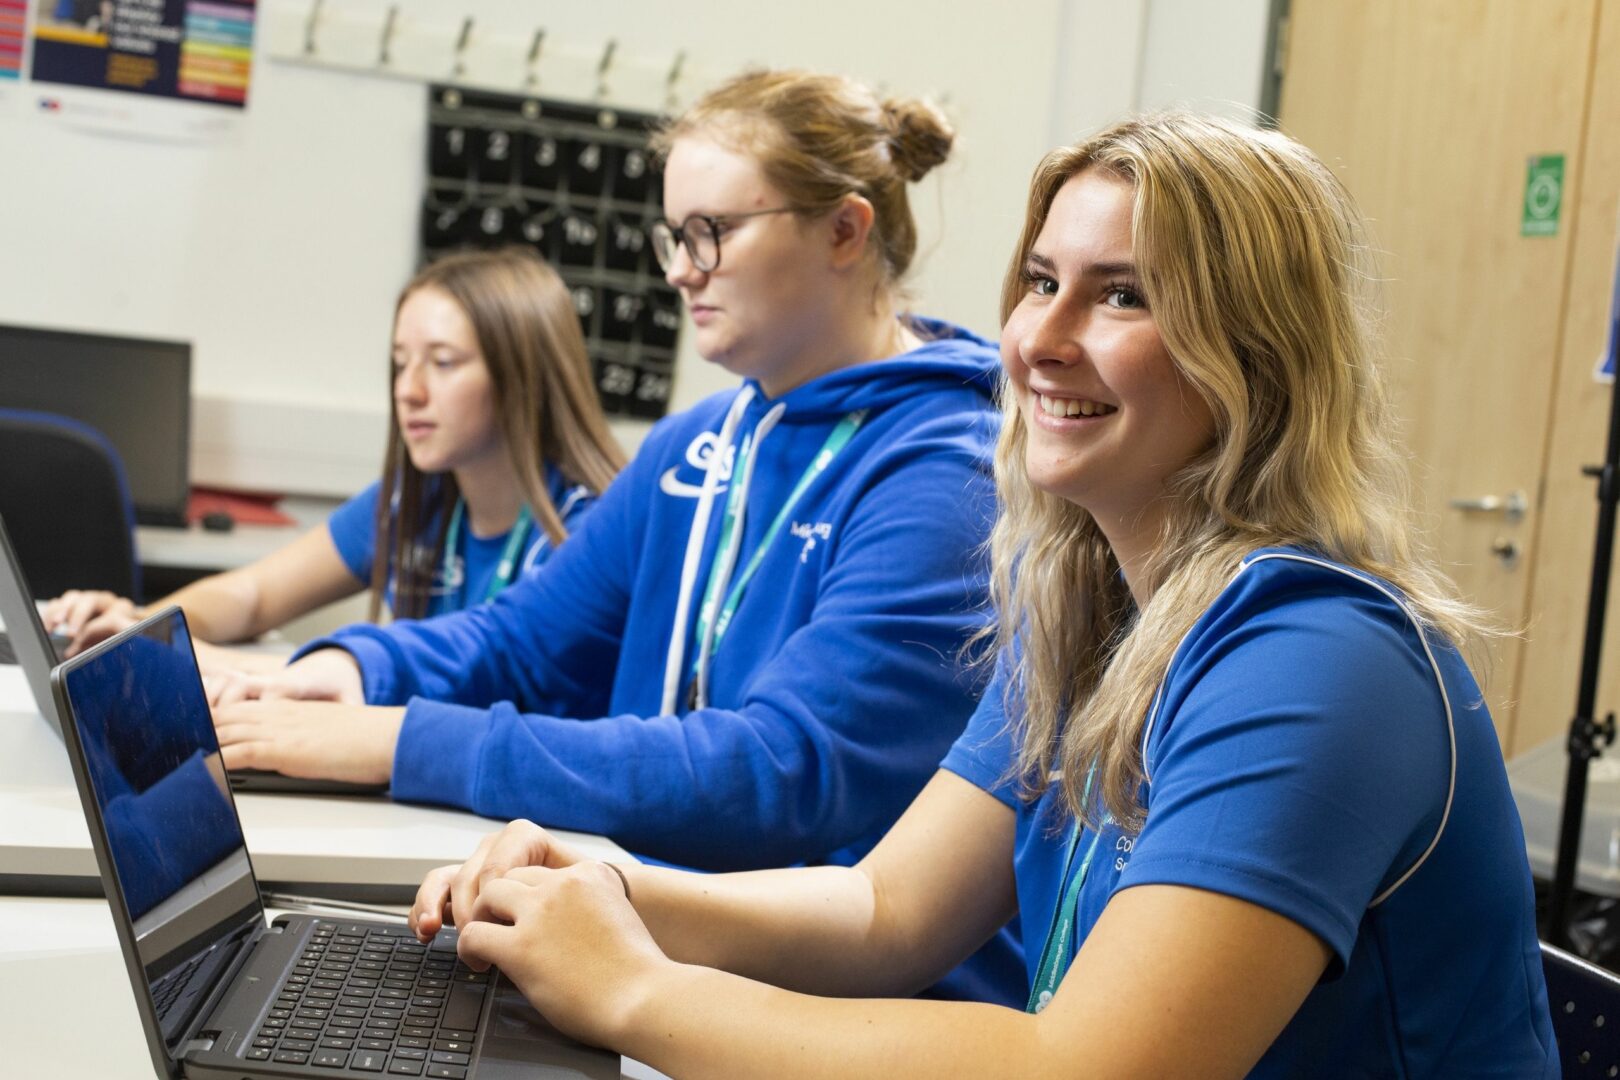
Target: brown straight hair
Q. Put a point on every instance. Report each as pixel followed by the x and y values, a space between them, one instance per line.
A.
pixel 545 398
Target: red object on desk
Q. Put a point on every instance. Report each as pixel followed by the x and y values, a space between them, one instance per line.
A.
pixel 243 508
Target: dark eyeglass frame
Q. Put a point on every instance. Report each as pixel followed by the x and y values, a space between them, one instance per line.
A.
pixel 664 235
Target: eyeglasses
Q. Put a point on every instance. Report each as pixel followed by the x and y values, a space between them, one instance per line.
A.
pixel 700 234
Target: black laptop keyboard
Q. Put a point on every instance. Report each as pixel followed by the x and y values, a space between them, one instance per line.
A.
pixel 372 999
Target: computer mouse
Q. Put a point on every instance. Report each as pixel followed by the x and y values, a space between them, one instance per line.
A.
pixel 218 521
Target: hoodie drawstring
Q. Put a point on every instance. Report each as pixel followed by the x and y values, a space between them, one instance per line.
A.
pixel 721 578
pixel 694 549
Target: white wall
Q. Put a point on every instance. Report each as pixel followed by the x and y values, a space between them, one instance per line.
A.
pixel 277 247
pixel 1204 55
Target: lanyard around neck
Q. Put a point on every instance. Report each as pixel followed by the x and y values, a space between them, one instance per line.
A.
pixel 505 570
pixel 836 440
pixel 1056 953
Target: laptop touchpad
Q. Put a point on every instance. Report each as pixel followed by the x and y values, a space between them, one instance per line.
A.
pixel 519 1043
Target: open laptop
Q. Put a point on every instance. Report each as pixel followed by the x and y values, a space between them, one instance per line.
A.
pixel 222 994
pixel 23 640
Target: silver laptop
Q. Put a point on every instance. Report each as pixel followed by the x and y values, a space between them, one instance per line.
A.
pixel 222 993
pixel 23 639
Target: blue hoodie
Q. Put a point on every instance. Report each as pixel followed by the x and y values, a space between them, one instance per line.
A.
pixel 576 697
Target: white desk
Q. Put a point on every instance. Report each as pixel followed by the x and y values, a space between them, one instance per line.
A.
pixel 58 953
pixel 371 848
pixel 196 548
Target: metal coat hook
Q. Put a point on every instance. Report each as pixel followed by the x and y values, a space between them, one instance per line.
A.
pixel 674 77
pixel 604 66
pixel 386 41
pixel 310 22
pixel 532 78
pixel 461 46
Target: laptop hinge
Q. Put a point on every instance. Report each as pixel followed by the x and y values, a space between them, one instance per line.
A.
pixel 195 1037
pixel 203 1042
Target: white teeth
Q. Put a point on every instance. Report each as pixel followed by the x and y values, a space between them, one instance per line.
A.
pixel 1066 407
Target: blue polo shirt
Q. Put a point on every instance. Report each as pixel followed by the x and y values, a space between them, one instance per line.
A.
pixel 1310 750
pixel 354 531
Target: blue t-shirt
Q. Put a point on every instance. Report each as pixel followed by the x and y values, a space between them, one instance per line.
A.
pixel 354 531
pixel 1310 751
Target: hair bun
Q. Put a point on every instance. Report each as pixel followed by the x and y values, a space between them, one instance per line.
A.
pixel 920 137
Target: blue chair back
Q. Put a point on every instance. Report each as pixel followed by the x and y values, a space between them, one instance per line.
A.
pixel 67 505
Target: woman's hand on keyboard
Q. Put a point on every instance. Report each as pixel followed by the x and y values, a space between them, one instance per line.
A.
pixel 455 888
pixel 312 739
pixel 571 941
pixel 327 675
pixel 87 616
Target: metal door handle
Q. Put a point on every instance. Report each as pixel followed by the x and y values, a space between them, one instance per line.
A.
pixel 1511 506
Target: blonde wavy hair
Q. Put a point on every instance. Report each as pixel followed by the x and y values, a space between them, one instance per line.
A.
pixel 1251 257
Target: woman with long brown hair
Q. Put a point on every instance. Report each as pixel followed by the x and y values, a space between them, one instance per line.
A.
pixel 496 446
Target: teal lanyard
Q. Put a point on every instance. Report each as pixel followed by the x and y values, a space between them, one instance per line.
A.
pixel 1055 955
pixel 837 439
pixel 504 570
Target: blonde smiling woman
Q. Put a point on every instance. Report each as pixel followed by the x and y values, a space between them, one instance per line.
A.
pixel 1232 774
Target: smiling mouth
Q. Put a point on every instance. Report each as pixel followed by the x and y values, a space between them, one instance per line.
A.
pixel 1067 407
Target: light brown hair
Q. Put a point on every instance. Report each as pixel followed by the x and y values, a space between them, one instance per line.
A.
pixel 818 138
pixel 545 400
pixel 1251 259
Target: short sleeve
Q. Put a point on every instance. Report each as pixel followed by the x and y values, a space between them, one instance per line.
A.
pixel 1300 758
pixel 983 754
pixel 354 532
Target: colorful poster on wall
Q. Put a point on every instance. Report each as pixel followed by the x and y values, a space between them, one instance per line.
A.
pixel 186 50
pixel 12 13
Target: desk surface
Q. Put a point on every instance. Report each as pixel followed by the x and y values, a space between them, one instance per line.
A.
pixel 59 953
pixel 198 549
pixel 371 847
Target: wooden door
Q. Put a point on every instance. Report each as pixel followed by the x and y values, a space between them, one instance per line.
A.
pixel 1560 577
pixel 1429 112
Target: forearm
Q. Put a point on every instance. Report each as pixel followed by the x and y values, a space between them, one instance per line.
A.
pixel 813 929
pixel 221 609
pixel 696 1022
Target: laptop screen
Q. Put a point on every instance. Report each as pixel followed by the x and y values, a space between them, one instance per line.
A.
pixel 138 708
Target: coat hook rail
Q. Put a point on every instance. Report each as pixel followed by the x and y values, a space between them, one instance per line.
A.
pixel 385 42
pixel 461 46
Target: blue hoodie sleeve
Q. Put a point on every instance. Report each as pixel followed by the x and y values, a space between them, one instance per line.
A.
pixel 832 739
pixel 493 652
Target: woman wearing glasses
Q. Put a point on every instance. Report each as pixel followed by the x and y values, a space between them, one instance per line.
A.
pixel 759 624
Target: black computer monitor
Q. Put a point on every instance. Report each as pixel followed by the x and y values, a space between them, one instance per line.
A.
pixel 134 391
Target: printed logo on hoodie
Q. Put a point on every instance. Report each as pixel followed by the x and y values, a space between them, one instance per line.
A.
pixel 699 452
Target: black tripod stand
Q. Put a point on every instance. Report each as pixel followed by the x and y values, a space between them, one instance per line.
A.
pixel 1588 736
